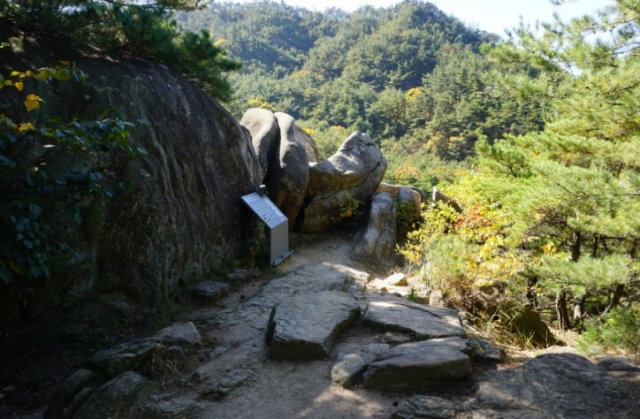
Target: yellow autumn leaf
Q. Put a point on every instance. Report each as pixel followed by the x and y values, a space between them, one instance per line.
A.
pixel 15 73
pixel 31 103
pixel 25 127
pixel 19 85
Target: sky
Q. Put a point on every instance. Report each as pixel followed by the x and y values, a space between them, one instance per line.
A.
pixel 488 15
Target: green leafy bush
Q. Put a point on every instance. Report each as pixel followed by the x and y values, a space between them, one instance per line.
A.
pixel 616 331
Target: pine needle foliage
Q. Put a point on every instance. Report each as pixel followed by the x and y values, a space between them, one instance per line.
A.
pixel 132 28
pixel 568 197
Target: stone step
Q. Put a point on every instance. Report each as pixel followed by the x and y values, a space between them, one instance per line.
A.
pixel 305 326
pixel 421 321
pixel 419 365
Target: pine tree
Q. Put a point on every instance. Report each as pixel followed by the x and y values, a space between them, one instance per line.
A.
pixel 574 189
pixel 127 27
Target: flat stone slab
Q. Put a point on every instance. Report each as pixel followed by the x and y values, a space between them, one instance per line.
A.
pixel 305 326
pixel 420 365
pixel 421 321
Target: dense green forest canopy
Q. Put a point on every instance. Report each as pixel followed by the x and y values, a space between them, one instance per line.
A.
pixel 409 75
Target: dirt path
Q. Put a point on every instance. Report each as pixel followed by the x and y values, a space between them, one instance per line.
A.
pixel 284 389
pixel 234 376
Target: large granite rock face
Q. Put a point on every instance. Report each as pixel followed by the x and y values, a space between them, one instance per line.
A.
pixel 309 144
pixel 183 219
pixel 420 321
pixel 340 184
pixel 305 326
pixel 554 386
pixel 375 245
pixel 287 183
pixel 420 365
pixel 263 127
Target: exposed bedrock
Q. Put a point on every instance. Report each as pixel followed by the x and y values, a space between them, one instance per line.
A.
pixel 339 186
pixel 184 218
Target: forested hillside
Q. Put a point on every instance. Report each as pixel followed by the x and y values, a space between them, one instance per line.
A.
pixel 547 124
pixel 409 75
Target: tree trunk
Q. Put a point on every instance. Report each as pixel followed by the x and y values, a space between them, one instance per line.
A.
pixel 575 245
pixel 531 296
pixel 617 295
pixel 564 322
pixel 578 310
pixel 594 253
pixel 440 197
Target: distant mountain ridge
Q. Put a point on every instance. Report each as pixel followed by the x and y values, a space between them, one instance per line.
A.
pixel 407 74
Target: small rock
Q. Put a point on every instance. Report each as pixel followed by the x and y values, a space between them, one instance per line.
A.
pixel 184 331
pixel 210 291
pixel 425 407
pixel 359 277
pixel 66 391
pixel 349 368
pixel 420 365
pixel 487 351
pixel 118 398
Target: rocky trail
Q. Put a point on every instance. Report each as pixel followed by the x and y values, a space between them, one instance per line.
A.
pixel 322 341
